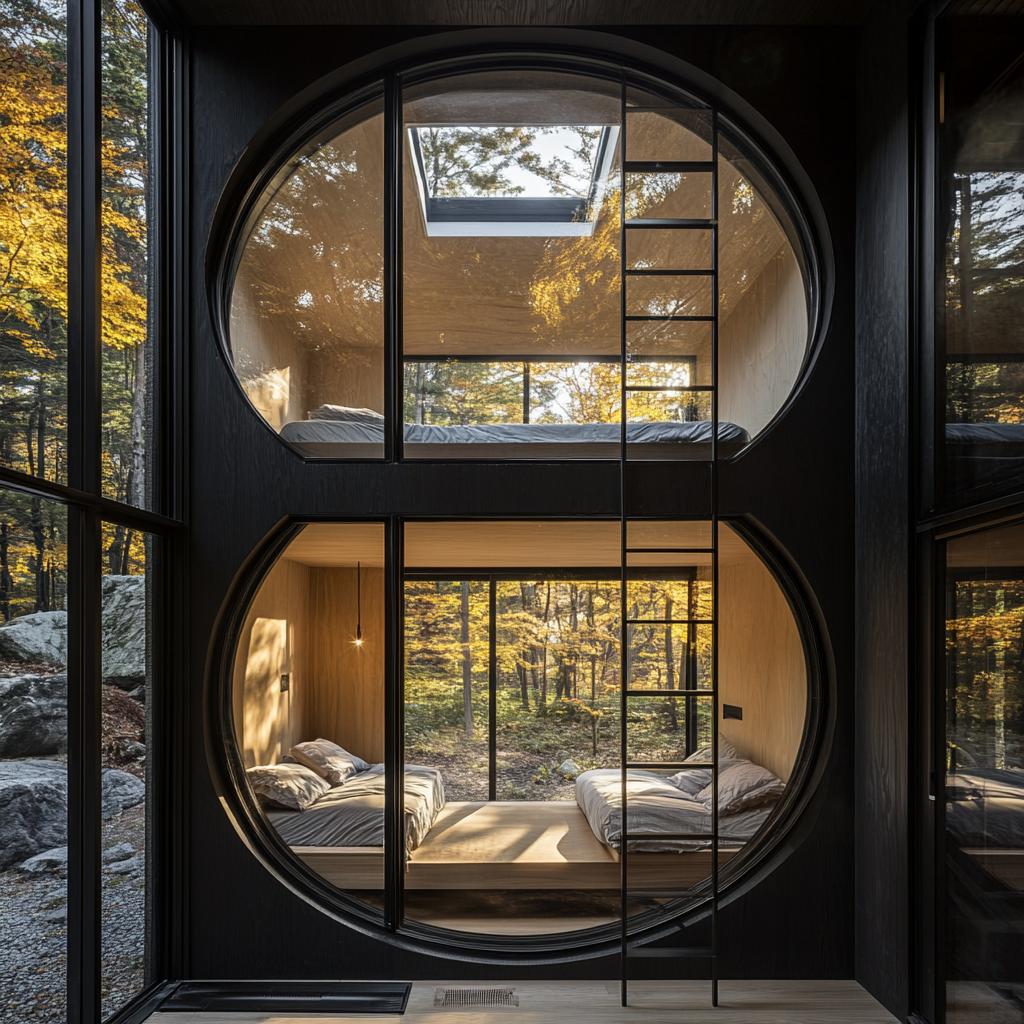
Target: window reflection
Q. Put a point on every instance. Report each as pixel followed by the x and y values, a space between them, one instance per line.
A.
pixel 33 239
pixel 33 759
pixel 307 321
pixel 985 776
pixel 982 282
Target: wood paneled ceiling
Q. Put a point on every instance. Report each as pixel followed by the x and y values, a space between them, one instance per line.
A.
pixel 468 13
pixel 534 544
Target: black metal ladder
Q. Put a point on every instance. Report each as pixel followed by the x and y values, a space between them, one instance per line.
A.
pixel 690 683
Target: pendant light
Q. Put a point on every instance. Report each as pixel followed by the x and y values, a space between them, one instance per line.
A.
pixel 359 607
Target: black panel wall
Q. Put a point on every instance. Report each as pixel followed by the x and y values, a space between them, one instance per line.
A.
pixel 883 506
pixel 797 481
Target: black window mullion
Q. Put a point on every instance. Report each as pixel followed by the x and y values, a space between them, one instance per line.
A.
pixel 393 375
pixel 84 776
pixel 84 525
pixel 84 248
pixel 394 729
pixel 492 690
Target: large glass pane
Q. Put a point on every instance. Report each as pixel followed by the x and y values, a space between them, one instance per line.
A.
pixel 984 773
pixel 125 732
pixel 33 760
pixel 128 365
pixel 307 305
pixel 33 239
pixel 980 280
pixel 308 699
pixel 511 265
pixel 446 682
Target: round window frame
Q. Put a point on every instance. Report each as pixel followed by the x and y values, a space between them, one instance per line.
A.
pixel 313 112
pixel 781 833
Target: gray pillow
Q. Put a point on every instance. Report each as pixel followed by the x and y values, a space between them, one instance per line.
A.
pixel 726 752
pixel 344 413
pixel 328 760
pixel 691 780
pixel 291 786
pixel 742 786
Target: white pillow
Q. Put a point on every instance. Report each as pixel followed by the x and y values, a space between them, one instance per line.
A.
pixel 345 414
pixel 742 786
pixel 292 786
pixel 726 752
pixel 328 760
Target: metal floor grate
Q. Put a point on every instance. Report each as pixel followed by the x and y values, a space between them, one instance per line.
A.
pixel 447 998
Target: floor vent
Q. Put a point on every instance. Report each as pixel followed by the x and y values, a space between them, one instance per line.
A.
pixel 452 998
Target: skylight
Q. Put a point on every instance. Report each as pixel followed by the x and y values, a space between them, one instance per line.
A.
pixel 506 180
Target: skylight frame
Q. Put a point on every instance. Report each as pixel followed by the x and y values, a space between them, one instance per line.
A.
pixel 513 216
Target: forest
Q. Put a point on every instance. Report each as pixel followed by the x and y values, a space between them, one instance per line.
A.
pixel 557 675
pixel 34 282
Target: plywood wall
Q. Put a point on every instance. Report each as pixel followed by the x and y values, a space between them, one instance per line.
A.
pixel 274 640
pixel 762 344
pixel 346 701
pixel 761 666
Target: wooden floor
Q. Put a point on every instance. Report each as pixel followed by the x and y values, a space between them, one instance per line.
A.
pixel 651 1002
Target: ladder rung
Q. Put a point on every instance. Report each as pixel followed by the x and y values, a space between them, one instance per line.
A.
pixel 683 223
pixel 670 693
pixel 666 166
pixel 701 836
pixel 662 765
pixel 694 952
pixel 665 894
pixel 651 272
pixel 669 622
pixel 673 551
pixel 686 319
pixel 670 387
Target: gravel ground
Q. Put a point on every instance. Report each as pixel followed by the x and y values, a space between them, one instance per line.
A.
pixel 33 931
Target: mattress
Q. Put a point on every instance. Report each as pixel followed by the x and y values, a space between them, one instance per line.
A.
pixel 985 808
pixel 655 805
pixel 319 438
pixel 352 814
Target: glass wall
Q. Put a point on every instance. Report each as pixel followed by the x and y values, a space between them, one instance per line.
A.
pixel 128 596
pixel 33 239
pixel 308 700
pixel 984 774
pixel 517 292
pixel 128 312
pixel 307 301
pixel 980 271
pixel 33 759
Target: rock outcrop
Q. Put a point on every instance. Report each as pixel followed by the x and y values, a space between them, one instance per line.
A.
pixel 42 638
pixel 34 715
pixel 33 809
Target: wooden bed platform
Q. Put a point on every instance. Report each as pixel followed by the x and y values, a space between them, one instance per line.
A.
pixel 510 845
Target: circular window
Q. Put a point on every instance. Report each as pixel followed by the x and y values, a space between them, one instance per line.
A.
pixel 510 694
pixel 564 238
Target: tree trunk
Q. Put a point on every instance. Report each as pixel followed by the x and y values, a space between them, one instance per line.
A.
pixel 467 664
pixel 5 575
pixel 670 667
pixel 38 565
pixel 137 471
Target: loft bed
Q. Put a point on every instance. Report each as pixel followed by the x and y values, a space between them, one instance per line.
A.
pixel 336 438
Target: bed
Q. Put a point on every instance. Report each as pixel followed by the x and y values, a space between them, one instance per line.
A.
pixel 352 814
pixel 656 805
pixel 984 454
pixel 985 819
pixel 327 438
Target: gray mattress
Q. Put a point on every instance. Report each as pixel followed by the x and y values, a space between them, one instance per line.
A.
pixel 985 808
pixel 353 814
pixel 655 805
pixel 342 432
pixel 985 433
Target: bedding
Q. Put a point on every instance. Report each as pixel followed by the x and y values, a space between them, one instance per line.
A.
pixel 292 786
pixel 656 805
pixel 692 780
pixel 319 438
pixel 328 760
pixel 983 455
pixel 741 785
pixel 352 814
pixel 985 808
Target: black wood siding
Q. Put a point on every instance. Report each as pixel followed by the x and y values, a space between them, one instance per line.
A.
pixel 883 511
